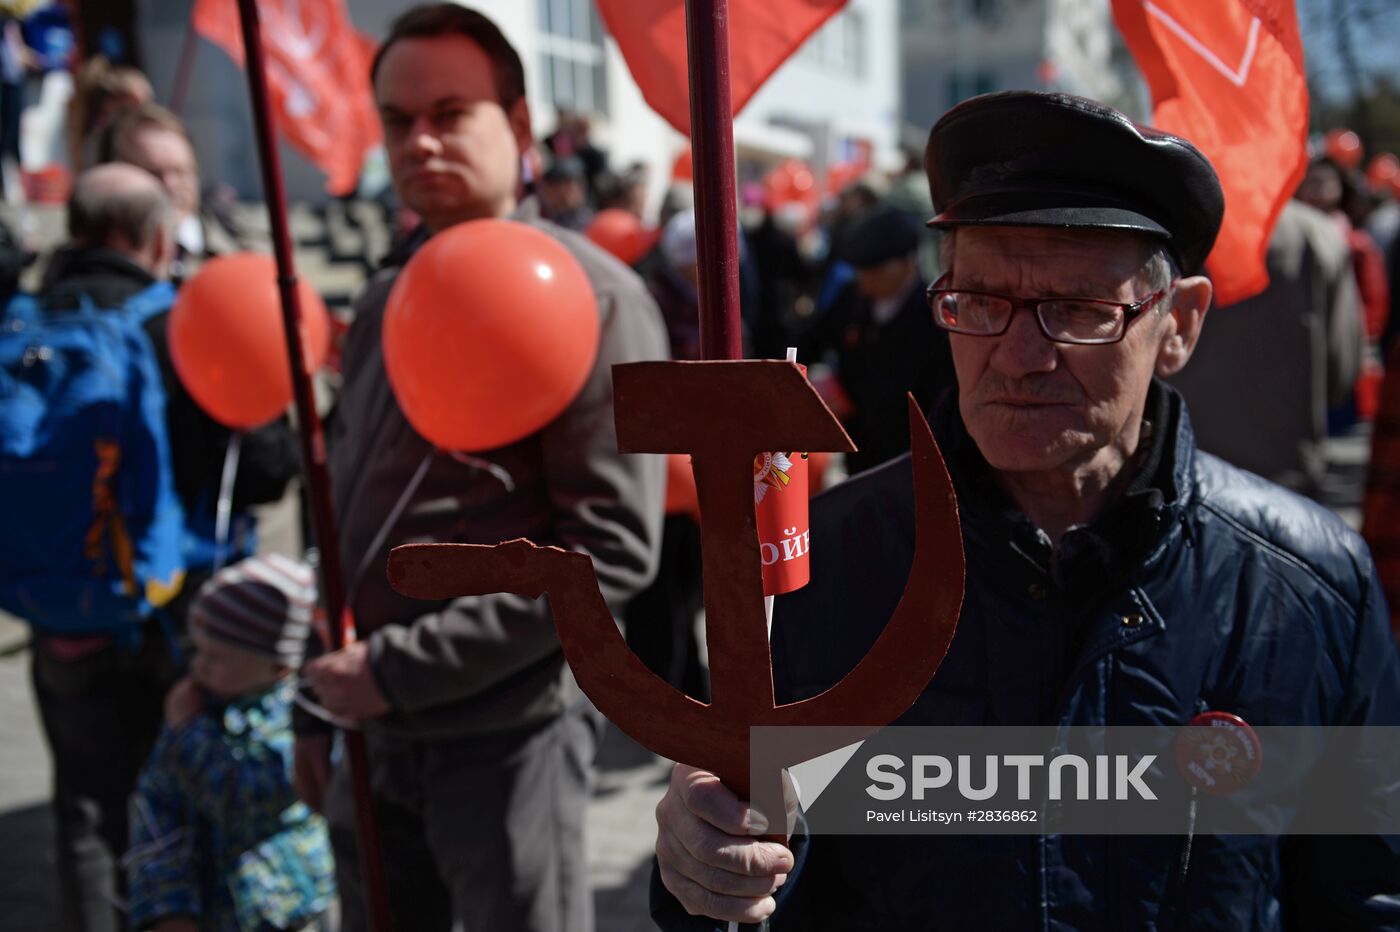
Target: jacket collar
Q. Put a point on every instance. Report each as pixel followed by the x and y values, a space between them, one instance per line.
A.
pixel 527 211
pixel 78 264
pixel 1119 540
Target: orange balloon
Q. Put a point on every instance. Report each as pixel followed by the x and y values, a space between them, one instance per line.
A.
pixel 1344 147
pixel 228 342
pixel 490 332
pixel 621 233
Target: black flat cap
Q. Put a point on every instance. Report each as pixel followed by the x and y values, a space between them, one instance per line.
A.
pixel 1023 158
pixel 881 235
pixel 569 168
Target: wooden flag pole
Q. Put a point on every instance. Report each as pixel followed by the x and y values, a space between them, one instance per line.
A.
pixel 313 452
pixel 716 214
pixel 712 151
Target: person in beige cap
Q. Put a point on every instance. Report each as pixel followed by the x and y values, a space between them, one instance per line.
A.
pixel 219 839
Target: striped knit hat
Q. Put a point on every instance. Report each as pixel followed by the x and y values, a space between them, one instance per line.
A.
pixel 262 605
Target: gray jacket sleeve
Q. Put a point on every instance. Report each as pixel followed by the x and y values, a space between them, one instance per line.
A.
pixel 603 503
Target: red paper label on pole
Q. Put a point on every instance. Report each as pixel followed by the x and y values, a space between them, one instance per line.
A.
pixel 784 526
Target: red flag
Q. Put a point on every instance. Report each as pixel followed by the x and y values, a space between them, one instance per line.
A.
pixel 762 35
pixel 1228 75
pixel 318 76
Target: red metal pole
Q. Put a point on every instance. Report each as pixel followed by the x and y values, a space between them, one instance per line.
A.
pixel 716 214
pixel 712 150
pixel 313 451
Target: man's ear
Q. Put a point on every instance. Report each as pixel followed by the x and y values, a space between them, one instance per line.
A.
pixel 519 119
pixel 163 251
pixel 1190 300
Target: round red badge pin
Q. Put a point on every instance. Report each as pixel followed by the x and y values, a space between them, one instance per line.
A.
pixel 1218 753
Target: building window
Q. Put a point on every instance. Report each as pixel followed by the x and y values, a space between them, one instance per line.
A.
pixel 963 84
pixel 839 46
pixel 571 56
pixel 983 11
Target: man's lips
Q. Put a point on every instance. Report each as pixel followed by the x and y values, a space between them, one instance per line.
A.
pixel 1028 402
pixel 426 175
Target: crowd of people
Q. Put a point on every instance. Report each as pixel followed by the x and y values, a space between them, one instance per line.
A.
pixel 1113 563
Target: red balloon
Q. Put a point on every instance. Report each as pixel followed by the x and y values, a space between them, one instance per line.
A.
pixel 1383 171
pixel 843 174
pixel 791 181
pixel 228 342
pixel 681 496
pixel 683 168
pixel 490 332
pixel 621 233
pixel 1344 147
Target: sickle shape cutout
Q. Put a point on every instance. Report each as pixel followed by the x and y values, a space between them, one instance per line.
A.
pixel 723 414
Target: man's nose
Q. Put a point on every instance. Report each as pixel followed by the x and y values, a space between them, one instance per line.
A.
pixel 422 139
pixel 1024 348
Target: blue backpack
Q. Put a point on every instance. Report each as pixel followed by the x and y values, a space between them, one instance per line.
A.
pixel 91 530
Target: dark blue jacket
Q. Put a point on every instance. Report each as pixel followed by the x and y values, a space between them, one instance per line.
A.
pixel 1203 587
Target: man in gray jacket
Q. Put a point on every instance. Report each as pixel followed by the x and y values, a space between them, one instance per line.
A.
pixel 480 742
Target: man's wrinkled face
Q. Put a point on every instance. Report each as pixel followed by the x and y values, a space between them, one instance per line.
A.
pixel 454 153
pixel 1033 405
pixel 167 155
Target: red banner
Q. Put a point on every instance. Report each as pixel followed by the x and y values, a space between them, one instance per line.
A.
pixel 1228 75
pixel 762 35
pixel 318 76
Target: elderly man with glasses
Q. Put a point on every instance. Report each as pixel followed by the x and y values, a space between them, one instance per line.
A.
pixel 1115 574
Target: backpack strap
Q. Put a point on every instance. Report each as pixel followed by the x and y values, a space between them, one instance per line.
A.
pixel 149 302
pixel 21 311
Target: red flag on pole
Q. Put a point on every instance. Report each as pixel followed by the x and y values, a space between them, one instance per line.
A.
pixel 762 35
pixel 1228 75
pixel 318 75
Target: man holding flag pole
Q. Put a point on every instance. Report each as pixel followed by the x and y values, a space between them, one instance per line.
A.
pixel 1116 575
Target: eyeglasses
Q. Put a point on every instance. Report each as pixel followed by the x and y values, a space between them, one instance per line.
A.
pixel 1062 320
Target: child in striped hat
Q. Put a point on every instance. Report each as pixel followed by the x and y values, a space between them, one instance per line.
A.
pixel 219 839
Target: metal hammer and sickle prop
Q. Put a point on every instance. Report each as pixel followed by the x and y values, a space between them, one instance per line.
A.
pixel 723 413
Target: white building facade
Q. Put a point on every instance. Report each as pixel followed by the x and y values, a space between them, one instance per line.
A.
pixel 955 49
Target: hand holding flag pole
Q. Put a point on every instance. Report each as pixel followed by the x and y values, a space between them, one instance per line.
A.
pixel 313 450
